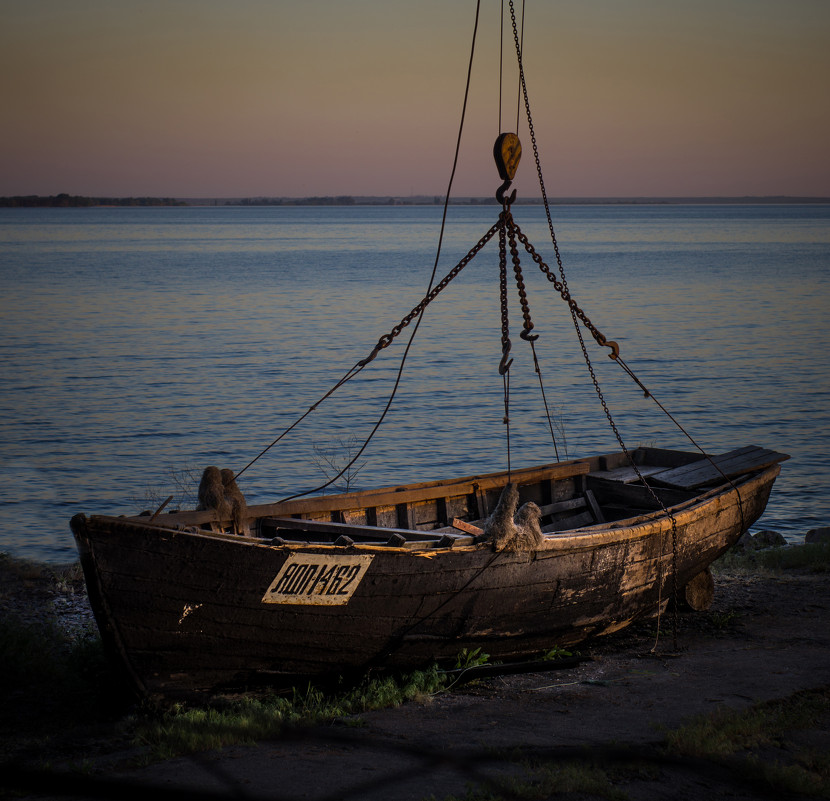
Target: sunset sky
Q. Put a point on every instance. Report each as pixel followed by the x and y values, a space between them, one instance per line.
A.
pixel 209 98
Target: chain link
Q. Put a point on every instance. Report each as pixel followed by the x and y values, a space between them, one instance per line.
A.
pixel 562 289
pixel 386 340
pixel 504 365
pixel 578 315
pixel 512 228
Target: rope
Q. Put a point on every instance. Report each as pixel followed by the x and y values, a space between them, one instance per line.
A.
pixel 506 384
pixel 576 316
pixel 519 88
pixel 501 58
pixel 430 295
pixel 545 401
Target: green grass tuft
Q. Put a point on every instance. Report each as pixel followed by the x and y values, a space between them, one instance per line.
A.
pixel 468 659
pixel 242 721
pixel 725 733
pixel 539 780
pixel 812 557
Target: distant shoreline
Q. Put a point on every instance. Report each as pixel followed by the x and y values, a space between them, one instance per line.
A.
pixel 64 200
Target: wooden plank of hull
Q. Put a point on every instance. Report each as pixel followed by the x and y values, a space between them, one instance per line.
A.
pixel 184 610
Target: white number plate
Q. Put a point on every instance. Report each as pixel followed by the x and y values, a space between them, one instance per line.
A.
pixel 317 579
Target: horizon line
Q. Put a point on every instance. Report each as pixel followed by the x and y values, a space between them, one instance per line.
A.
pixel 413 199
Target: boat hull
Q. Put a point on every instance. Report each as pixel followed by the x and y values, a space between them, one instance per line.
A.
pixel 194 611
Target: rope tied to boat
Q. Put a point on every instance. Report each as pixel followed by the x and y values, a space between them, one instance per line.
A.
pixel 578 316
pixel 509 232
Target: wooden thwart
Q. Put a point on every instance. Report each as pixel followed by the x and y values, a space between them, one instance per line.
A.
pixel 635 496
pixel 702 472
pixel 377 536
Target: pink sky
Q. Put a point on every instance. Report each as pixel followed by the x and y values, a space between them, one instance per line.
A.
pixel 207 98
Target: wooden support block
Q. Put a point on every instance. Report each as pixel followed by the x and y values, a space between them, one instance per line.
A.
pixel 699 593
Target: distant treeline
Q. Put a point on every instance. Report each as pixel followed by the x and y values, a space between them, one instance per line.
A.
pixel 340 200
pixel 429 200
pixel 66 201
pixel 349 200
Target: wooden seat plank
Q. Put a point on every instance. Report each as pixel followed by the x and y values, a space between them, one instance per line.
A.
pixel 366 533
pixel 626 474
pixel 636 495
pixel 562 506
pixel 703 471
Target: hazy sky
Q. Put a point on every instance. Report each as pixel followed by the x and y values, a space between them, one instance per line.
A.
pixel 202 98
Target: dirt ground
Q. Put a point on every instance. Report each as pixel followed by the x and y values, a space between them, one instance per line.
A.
pixel 766 637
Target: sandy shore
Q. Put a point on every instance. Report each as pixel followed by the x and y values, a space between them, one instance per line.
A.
pixel 767 637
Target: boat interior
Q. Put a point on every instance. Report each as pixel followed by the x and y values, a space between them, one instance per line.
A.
pixel 571 495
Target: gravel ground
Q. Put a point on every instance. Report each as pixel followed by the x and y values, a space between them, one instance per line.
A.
pixel 766 637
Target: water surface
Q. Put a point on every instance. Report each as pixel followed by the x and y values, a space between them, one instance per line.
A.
pixel 140 345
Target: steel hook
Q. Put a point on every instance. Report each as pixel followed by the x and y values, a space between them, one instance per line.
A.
pixel 504 364
pixel 502 189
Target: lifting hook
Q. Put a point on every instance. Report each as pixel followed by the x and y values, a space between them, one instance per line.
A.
pixel 507 151
pixel 500 193
pixel 504 364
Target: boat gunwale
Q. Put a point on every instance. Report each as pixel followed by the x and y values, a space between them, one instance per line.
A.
pixel 385 496
pixel 581 538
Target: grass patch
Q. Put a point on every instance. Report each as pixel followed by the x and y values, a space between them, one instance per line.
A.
pixel 722 621
pixel 52 686
pixel 468 659
pixel 729 734
pixel 245 720
pixel 60 578
pixel 38 657
pixel 813 557
pixel 556 653
pixel 544 779
pixel 539 779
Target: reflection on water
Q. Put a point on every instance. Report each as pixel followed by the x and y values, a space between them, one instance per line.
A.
pixel 136 341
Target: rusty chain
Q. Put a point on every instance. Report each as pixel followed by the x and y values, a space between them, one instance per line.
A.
pixel 504 365
pixel 386 340
pixel 562 289
pixel 520 284
pixel 578 315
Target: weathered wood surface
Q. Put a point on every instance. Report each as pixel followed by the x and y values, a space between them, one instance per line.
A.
pixel 626 474
pixel 699 593
pixel 478 486
pixel 184 610
pixel 365 533
pixel 634 496
pixel 727 465
pixel 469 528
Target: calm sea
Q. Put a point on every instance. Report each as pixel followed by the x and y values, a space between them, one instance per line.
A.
pixel 140 345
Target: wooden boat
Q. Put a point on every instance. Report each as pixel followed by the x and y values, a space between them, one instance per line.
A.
pixel 404 576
